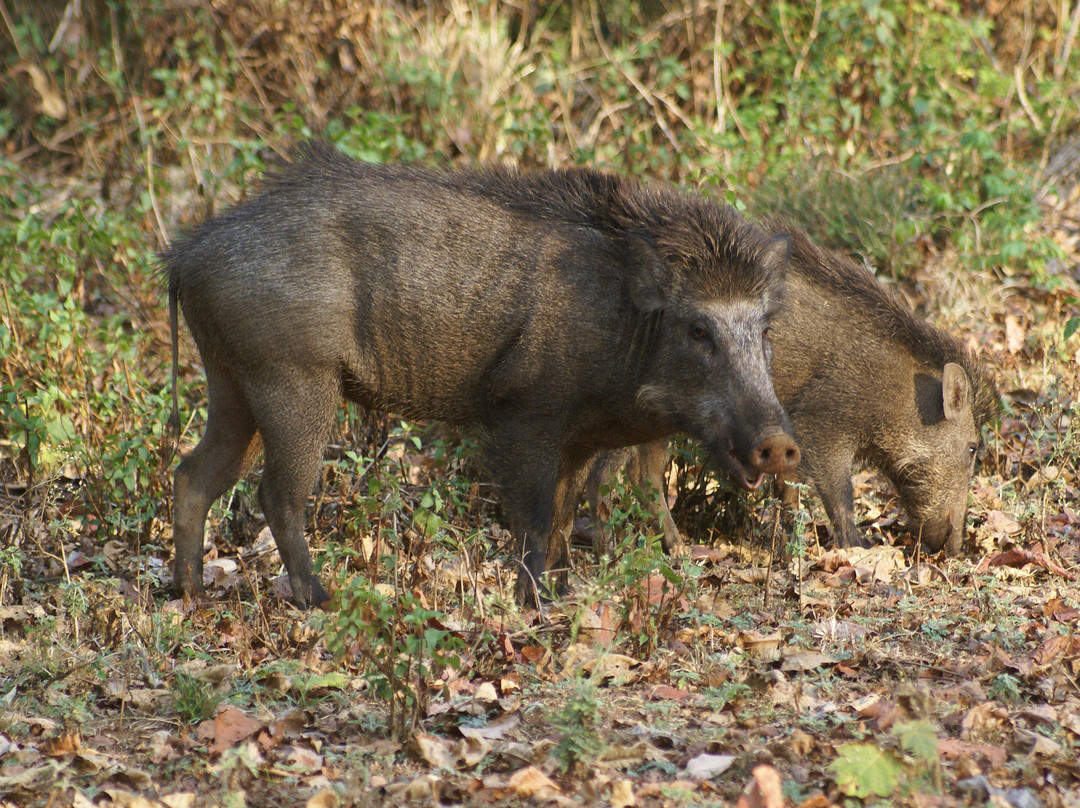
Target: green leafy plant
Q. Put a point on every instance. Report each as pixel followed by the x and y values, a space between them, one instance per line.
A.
pixel 402 647
pixel 864 769
pixel 194 699
pixel 646 585
pixel 1006 688
pixel 577 722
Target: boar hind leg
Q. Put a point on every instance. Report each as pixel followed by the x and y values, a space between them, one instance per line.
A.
pixel 212 468
pixel 294 421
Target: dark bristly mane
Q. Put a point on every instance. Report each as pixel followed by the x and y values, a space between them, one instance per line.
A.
pixel 721 248
pixel 885 311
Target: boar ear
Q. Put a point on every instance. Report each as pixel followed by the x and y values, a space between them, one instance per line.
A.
pixel 955 391
pixel 649 276
pixel 777 253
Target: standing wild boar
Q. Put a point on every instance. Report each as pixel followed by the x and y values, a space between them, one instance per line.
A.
pixel 554 313
pixel 862 379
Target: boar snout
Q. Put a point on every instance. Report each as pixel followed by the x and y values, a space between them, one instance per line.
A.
pixel 945 533
pixel 777 454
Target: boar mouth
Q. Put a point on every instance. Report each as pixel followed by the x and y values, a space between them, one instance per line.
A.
pixel 742 473
pixel 739 471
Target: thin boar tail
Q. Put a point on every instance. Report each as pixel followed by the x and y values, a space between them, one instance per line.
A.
pixel 174 416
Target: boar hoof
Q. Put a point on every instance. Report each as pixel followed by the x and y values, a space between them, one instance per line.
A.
pixel 310 596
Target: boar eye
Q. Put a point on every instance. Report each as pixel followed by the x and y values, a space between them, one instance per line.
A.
pixel 699 333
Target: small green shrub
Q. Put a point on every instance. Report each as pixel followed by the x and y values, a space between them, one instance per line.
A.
pixel 402 647
pixel 194 699
pixel 577 721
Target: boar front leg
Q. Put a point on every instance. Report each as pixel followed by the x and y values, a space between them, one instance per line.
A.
pixel 569 487
pixel 649 467
pixel 525 460
pixel 832 479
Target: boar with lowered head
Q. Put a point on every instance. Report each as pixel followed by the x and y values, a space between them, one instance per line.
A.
pixel 863 379
pixel 554 313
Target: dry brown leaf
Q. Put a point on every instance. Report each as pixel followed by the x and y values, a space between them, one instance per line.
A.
pixel 595 625
pixel 704 553
pixel 1014 334
pixel 706 766
pixel 327 798
pixel 838 630
pixel 52 104
pixel 470 751
pixel 181 799
pixel 711 603
pixel 622 794
pixel 80 800
pixel 802 661
pixel 433 750
pixel 999 525
pixel 661 591
pixel 230 726
pixel 426 788
pixel 1036 744
pixel 953 749
pixel 495 730
pixel 622 756
pixel 304 759
pixel 876 563
pixel 668 693
pixel 763 791
pixel 759 645
pixel 531 782
pixel 67 743
pixel 751 575
pixel 800 743
pixel 982 720
pixel 1019 558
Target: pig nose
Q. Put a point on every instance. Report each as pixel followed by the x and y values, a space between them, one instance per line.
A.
pixel 776 454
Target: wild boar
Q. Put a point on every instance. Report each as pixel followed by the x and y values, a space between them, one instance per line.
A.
pixel 554 313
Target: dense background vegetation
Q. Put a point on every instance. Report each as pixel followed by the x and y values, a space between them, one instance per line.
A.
pixel 936 141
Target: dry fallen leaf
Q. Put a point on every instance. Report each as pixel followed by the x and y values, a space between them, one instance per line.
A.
pixel 327 798
pixel 1014 334
pixel 622 794
pixel 66 743
pixel 751 575
pixel 802 661
pixel 181 799
pixel 495 730
pixel 51 102
pixel 763 791
pixel 228 728
pixel 705 766
pixel 531 782
pixel 1019 558
pixel 759 645
pixel 469 752
pixel 433 750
